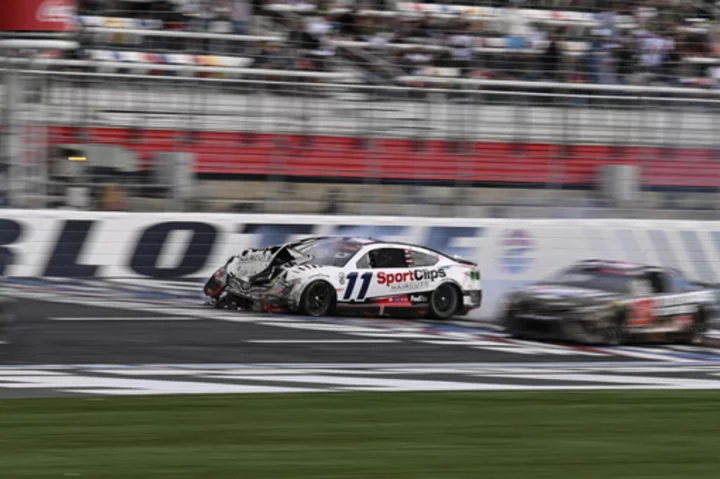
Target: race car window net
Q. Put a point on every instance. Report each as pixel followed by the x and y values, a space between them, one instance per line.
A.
pixel 679 283
pixel 387 258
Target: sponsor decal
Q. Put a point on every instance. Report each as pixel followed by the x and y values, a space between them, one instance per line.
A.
pixel 393 301
pixel 418 298
pixel 641 313
pixel 357 294
pixel 37 15
pixel 410 276
pixel 58 11
pixel 517 250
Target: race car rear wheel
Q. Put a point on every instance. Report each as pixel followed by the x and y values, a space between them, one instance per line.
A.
pixel 444 301
pixel 318 299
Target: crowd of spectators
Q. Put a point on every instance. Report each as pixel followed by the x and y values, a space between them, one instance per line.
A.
pixel 628 42
pixel 190 15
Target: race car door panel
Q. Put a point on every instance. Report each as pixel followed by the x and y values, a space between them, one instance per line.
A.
pixel 363 283
pixel 669 303
pixel 386 272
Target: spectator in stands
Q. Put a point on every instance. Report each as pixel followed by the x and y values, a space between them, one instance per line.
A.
pixel 655 49
pixel 651 50
pixel 516 36
pixel 624 58
pixel 461 44
pixel 517 26
pixel 608 20
pixel 551 61
pixel 414 61
pixel 241 15
pixel 347 22
pixel 644 14
pixel 423 28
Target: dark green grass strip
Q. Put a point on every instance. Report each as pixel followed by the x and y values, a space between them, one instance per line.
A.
pixel 579 435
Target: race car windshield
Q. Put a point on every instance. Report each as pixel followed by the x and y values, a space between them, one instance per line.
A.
pixel 604 280
pixel 330 252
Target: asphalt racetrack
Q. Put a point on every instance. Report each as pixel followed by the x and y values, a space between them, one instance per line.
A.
pixel 128 338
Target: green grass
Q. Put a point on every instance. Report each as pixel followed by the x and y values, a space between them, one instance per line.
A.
pixel 583 435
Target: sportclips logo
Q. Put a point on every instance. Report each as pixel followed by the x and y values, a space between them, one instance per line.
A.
pixel 409 276
pixel 54 11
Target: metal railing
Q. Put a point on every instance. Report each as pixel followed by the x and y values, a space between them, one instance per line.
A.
pixel 297 145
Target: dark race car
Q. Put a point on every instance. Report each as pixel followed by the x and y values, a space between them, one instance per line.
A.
pixel 607 302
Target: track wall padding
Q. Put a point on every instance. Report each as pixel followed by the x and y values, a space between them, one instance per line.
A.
pixel 174 246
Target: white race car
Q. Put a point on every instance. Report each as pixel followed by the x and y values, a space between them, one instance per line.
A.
pixel 322 276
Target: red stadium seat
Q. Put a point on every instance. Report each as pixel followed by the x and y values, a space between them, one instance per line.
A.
pixel 233 153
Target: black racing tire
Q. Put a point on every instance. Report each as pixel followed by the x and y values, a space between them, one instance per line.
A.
pixel 318 299
pixel 697 332
pixel 510 324
pixel 444 302
pixel 614 333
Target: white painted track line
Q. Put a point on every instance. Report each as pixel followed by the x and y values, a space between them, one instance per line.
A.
pixel 320 341
pixel 126 318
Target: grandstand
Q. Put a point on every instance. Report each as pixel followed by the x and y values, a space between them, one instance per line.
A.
pixel 481 108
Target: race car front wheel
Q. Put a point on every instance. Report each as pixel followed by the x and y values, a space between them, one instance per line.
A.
pixel 318 299
pixel 444 301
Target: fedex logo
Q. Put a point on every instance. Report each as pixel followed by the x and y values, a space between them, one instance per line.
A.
pixel 409 276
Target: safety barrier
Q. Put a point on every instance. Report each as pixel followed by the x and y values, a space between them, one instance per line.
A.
pixel 176 246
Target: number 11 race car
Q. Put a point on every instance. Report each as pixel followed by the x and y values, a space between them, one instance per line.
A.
pixel 322 276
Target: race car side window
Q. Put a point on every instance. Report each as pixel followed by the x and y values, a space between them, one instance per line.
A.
pixel 640 287
pixel 421 259
pixel 383 258
pixel 679 284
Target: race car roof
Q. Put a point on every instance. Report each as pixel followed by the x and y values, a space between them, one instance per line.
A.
pixel 616 264
pixel 369 241
pixel 619 266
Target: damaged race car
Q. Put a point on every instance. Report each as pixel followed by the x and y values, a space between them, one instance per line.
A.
pixel 610 303
pixel 322 276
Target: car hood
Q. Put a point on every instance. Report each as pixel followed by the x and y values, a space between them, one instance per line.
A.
pixel 564 296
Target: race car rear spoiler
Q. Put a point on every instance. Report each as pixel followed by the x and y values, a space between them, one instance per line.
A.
pixel 464 261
